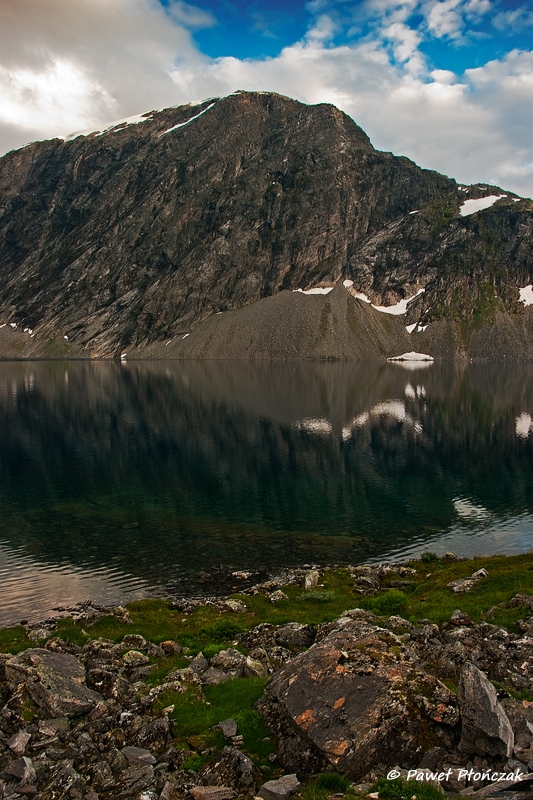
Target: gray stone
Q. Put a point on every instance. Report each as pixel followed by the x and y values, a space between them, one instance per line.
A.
pixel 65 780
pixel 232 768
pixel 18 742
pixel 22 769
pixel 199 664
pixel 138 755
pixel 311 579
pixel 228 659
pixel 486 729
pixel 134 658
pixel 278 596
pixel 55 682
pixel 228 728
pixel 253 668
pixel 212 677
pixel 212 793
pixel 295 634
pixel 280 789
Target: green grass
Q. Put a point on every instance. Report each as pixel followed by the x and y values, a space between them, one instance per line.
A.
pixel 323 785
pixel 429 596
pixel 13 640
pixel 196 715
pixel 400 789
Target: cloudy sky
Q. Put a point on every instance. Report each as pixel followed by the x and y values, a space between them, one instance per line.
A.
pixel 448 83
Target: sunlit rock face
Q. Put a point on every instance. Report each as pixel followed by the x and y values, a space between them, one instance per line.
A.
pixel 121 241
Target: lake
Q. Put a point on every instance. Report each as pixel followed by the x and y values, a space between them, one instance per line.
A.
pixel 121 479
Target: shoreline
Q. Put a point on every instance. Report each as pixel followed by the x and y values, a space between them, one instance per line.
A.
pixel 311 682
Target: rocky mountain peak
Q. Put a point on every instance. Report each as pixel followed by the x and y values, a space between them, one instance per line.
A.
pixel 130 236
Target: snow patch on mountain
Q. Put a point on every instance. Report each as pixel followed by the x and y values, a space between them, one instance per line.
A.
pixel 479 204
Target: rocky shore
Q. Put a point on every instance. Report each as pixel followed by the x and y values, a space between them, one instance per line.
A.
pixel 364 695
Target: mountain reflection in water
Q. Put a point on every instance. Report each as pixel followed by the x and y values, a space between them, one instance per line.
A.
pixel 119 477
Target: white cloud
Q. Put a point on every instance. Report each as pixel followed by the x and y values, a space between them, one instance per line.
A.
pixel 513 20
pixel 77 65
pixel 68 65
pixel 444 18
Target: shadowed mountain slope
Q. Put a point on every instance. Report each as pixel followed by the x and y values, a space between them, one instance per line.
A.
pixel 125 239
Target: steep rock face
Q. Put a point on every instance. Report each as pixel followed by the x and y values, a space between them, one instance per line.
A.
pixel 134 235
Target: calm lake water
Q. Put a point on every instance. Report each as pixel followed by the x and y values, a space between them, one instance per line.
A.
pixel 119 478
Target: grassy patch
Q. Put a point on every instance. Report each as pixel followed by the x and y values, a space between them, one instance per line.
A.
pixel 196 715
pixel 13 640
pixel 400 789
pixel 392 602
pixel 324 785
pixel 429 596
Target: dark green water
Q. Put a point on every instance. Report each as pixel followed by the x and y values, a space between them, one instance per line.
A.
pixel 116 478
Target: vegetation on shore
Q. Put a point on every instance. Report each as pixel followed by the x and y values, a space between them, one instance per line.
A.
pixel 196 712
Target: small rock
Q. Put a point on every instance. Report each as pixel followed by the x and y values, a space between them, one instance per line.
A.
pixel 311 579
pixel 137 756
pixel 37 634
pixel 254 668
pixel 134 658
pixel 17 744
pixel 228 728
pixel 212 793
pixel 280 789
pixel 199 664
pixel 170 647
pixel 277 596
pixel 235 606
pixel 228 659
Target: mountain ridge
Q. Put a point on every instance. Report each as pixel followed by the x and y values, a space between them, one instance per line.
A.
pixel 132 237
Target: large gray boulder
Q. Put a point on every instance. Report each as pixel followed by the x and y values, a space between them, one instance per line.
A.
pixel 486 729
pixel 356 696
pixel 54 681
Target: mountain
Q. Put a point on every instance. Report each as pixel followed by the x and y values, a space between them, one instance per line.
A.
pixel 134 239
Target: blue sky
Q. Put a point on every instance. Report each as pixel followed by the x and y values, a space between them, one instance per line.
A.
pixel 448 83
pixel 262 28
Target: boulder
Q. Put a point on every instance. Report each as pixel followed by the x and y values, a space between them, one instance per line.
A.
pixel 486 729
pixel 354 697
pixel 280 789
pixel 54 681
pixel 22 769
pixel 295 635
